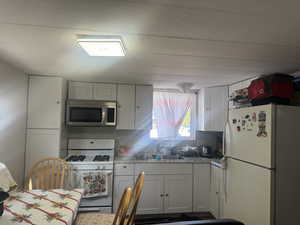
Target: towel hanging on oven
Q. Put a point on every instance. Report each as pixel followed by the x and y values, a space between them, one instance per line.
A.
pixel 94 183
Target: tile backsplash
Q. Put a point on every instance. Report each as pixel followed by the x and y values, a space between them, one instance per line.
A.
pixel 138 140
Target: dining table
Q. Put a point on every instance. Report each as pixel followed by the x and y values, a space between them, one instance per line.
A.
pixel 40 207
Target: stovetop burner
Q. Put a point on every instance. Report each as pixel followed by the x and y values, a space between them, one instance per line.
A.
pixel 101 158
pixel 84 158
pixel 76 158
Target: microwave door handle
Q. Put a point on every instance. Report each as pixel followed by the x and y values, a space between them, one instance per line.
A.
pixel 104 109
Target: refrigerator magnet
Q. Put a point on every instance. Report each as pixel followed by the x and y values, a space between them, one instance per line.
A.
pixel 262 116
pixel 262 132
pixel 254 117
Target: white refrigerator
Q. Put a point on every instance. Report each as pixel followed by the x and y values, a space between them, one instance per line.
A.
pixel 262 176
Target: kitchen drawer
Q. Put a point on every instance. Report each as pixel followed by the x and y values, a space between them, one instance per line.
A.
pixel 168 168
pixel 124 169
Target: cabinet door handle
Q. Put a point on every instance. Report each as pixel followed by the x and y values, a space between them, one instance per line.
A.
pixel 124 167
pixel 167 195
pixel 161 195
pixel 57 102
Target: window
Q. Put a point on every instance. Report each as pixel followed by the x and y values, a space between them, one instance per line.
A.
pixel 174 115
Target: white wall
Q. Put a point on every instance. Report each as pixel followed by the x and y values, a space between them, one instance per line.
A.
pixel 13 106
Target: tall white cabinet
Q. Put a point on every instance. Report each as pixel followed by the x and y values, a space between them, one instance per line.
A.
pixel 144 105
pixel 213 105
pixel 45 102
pixel 45 120
pixel 126 106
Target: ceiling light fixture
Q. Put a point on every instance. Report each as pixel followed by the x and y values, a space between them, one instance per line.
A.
pixel 99 45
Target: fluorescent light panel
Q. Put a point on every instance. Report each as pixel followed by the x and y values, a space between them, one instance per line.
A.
pixel 102 45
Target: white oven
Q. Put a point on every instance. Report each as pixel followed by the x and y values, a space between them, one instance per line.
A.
pixel 99 200
pixel 92 166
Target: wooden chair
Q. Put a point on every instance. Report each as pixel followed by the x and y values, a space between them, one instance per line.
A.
pixel 108 219
pixel 49 173
pixel 137 191
pixel 112 219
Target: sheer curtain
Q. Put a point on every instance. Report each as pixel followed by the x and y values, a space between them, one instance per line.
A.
pixel 170 110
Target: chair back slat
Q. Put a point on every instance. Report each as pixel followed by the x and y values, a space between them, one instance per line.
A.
pixel 49 173
pixel 121 213
pixel 136 194
pixel 54 171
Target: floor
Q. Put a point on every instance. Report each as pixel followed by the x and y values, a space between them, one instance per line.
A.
pixel 169 218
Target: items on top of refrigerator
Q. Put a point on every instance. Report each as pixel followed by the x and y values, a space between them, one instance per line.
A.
pixel 273 88
pixel 240 98
pixel 296 98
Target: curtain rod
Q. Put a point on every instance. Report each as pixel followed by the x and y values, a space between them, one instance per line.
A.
pixel 173 90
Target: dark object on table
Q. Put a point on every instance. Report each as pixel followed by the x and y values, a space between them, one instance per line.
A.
pixel 206 222
pixel 3 196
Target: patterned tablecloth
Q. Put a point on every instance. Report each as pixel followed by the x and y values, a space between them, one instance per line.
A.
pixel 52 207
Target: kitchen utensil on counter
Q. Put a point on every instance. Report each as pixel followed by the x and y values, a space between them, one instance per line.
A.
pixel 206 151
pixel 123 150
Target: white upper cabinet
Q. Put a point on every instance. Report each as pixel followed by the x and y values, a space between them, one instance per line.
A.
pixel 80 90
pixel 105 92
pixel 126 107
pixel 45 104
pixel 144 105
pixel 92 91
pixel 215 108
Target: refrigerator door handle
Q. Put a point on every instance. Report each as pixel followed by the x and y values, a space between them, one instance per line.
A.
pixel 224 138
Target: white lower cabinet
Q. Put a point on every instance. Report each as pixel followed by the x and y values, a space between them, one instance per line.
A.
pixel 178 193
pixel 217 191
pixel 151 201
pixel 120 183
pixel 201 187
pixel 166 194
pixel 168 187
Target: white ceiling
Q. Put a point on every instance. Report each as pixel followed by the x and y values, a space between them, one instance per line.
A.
pixel 207 42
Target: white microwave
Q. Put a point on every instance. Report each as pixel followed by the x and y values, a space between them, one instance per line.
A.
pixel 86 113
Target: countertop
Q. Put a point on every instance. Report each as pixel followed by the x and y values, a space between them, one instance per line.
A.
pixel 197 160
